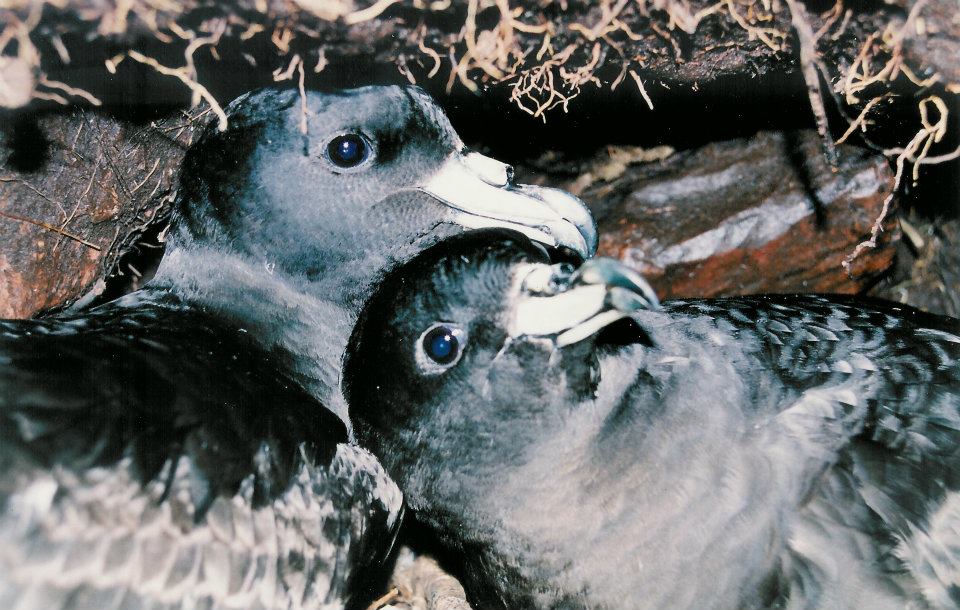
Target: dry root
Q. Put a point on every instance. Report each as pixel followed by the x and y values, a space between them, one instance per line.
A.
pixel 546 63
pixel 21 77
pixel 915 152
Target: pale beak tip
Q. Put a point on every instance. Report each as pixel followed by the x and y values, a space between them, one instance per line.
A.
pixel 614 274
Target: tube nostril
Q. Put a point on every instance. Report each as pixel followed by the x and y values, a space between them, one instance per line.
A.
pixel 489 170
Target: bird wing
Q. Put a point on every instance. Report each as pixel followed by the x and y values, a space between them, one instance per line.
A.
pixel 152 455
pixel 884 383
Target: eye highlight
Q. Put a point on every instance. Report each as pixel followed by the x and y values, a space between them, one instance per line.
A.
pixel 348 150
pixel 440 347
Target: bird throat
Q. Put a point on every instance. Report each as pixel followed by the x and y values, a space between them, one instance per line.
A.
pixel 301 323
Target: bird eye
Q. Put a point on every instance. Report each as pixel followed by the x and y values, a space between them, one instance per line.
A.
pixel 348 150
pixel 440 347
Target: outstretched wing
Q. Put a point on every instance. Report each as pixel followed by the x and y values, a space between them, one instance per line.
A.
pixel 156 456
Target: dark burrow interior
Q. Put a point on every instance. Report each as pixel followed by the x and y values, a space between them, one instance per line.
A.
pixel 684 117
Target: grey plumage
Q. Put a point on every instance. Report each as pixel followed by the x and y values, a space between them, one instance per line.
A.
pixel 102 540
pixel 782 451
pixel 151 457
pixel 183 447
pixel 271 233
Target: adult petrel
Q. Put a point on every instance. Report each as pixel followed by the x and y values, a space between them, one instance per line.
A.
pixel 181 447
pixel 578 446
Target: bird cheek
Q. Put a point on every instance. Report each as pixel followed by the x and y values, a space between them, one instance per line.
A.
pixel 527 362
pixel 395 215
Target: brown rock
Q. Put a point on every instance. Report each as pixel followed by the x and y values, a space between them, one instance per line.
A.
pixel 77 192
pixel 749 216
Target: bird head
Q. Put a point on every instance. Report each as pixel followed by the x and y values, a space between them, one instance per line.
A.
pixel 340 186
pixel 478 346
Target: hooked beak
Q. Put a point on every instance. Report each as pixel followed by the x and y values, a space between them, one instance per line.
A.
pixel 482 192
pixel 570 307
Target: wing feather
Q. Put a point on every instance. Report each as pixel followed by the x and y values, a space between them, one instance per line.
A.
pixel 155 457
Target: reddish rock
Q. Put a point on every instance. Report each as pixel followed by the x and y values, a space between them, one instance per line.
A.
pixel 77 192
pixel 730 218
pixel 749 216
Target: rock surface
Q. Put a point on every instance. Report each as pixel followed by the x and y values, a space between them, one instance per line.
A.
pixel 749 216
pixel 78 192
pixel 81 192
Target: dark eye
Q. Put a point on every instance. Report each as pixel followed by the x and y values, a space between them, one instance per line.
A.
pixel 440 347
pixel 348 150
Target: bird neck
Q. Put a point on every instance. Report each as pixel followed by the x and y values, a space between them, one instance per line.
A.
pixel 304 323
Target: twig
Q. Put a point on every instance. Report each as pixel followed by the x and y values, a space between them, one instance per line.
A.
pixel 60 48
pixel 389 596
pixel 194 86
pixel 144 181
pixel 44 225
pixel 934 160
pixel 459 72
pixel 281 38
pixel 861 120
pixel 402 68
pixel 930 133
pixel 917 149
pixel 913 236
pixel 195 45
pixel 51 97
pixel 626 30
pixel 765 35
pixel 878 223
pixel 605 24
pixel 583 74
pixel 321 61
pixel 470 37
pixel 538 83
pixel 252 30
pixel 371 12
pixel 303 100
pixel 916 80
pixel 37 191
pixel 677 53
pixel 507 17
pixel 643 92
pixel 287 74
pixel 832 15
pixel 843 25
pixel 808 66
pixel 894 42
pixel 76 208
